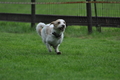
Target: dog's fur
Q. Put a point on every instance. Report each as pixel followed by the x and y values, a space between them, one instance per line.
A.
pixel 52 34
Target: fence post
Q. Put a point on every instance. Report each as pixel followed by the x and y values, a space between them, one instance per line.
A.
pixel 32 14
pixel 89 16
pixel 98 28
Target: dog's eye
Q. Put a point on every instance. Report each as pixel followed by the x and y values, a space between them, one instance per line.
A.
pixel 58 22
pixel 64 22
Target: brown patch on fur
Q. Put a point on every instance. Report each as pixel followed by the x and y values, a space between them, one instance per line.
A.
pixel 40 31
pixel 48 30
pixel 57 22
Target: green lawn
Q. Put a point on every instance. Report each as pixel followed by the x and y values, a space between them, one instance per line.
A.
pixel 23 56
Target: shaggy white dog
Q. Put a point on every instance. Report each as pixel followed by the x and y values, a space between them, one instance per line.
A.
pixel 52 34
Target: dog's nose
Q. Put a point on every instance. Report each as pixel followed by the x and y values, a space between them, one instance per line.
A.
pixel 63 26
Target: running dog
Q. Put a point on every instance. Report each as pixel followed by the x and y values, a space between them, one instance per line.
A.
pixel 52 34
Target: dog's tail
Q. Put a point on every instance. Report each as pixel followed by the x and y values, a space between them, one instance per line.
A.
pixel 39 27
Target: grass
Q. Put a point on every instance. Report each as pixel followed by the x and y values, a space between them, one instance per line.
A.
pixel 23 56
pixel 84 57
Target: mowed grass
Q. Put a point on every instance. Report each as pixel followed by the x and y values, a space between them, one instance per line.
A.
pixel 23 56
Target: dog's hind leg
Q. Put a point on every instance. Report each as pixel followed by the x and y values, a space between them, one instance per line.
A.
pixel 49 47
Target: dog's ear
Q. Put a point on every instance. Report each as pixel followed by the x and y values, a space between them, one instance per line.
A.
pixel 53 22
pixel 66 25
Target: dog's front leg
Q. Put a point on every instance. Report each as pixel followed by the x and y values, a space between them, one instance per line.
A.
pixel 57 49
pixel 48 47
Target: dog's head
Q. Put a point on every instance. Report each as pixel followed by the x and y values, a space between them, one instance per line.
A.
pixel 59 25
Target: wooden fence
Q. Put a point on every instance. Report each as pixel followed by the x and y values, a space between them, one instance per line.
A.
pixel 87 20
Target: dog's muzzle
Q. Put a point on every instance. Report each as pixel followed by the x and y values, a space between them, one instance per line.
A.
pixel 62 28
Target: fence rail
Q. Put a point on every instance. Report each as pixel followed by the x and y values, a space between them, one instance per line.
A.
pixel 71 20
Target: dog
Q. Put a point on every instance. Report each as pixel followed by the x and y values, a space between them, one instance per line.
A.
pixel 52 34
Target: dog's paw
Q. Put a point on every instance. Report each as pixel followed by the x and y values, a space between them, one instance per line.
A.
pixel 49 50
pixel 58 53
